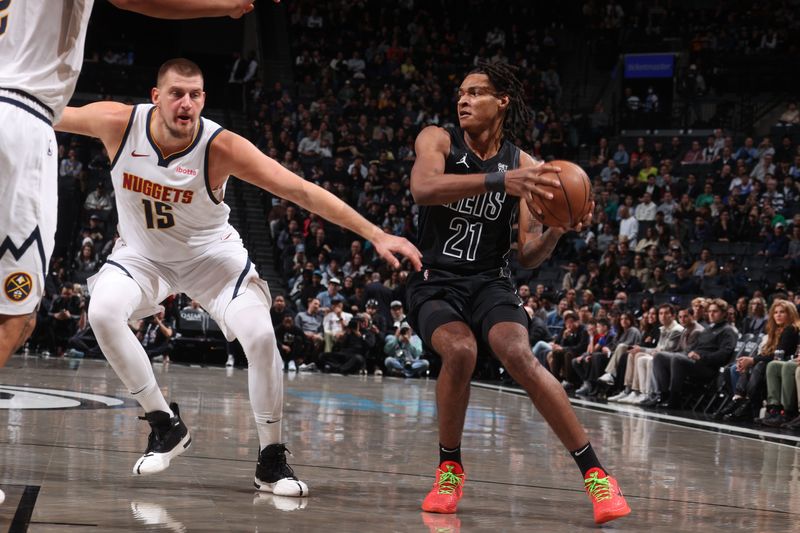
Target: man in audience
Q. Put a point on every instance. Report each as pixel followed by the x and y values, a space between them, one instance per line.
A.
pixel 688 338
pixel 712 349
pixel 310 321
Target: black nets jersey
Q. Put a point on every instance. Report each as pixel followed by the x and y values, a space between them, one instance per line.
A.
pixel 473 234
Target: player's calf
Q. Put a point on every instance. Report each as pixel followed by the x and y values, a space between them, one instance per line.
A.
pixel 14 331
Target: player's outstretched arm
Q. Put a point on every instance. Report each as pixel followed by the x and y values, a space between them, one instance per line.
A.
pixel 104 120
pixel 187 9
pixel 231 154
pixel 431 186
pixel 534 244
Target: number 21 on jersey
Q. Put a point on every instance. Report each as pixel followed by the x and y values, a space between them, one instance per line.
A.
pixel 4 5
pixel 465 240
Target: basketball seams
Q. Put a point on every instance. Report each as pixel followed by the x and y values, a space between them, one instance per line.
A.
pixel 543 205
pixel 566 199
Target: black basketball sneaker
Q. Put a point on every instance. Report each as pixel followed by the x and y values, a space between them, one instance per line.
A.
pixel 274 475
pixel 169 437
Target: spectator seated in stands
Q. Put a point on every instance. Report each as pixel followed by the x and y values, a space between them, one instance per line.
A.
pixel 85 264
pixel 278 310
pixel 65 312
pixel 155 333
pixel 756 319
pixel 99 202
pixel 691 330
pixel 776 243
pixel 713 349
pixel 350 353
pixel 291 343
pixel 335 323
pixel 404 354
pixel 310 322
pixel 705 266
pixel 326 297
pixel 790 117
pixel 590 364
pixel 639 369
pixel 558 355
pixel 774 366
pixel 649 328
pixel 627 335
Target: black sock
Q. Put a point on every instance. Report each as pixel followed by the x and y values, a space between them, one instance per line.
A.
pixel 586 459
pixel 449 455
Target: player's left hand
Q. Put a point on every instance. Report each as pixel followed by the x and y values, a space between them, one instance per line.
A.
pixel 582 223
pixel 387 245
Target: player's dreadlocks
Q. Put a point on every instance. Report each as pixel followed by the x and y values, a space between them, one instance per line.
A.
pixel 503 77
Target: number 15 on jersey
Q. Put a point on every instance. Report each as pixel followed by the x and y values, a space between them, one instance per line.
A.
pixel 158 215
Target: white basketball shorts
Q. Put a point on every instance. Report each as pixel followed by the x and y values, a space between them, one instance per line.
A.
pixel 214 278
pixel 28 202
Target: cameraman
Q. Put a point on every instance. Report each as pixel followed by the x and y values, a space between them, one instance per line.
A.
pixel 404 351
pixel 350 352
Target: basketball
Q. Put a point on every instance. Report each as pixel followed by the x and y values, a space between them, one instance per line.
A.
pixel 571 200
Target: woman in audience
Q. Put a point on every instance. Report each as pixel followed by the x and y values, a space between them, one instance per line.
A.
pixel 629 335
pixel 649 327
pixel 780 354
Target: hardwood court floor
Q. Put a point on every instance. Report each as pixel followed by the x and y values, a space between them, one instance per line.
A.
pixel 366 447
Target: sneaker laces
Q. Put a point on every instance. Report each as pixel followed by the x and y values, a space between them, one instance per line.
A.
pixel 448 481
pixel 274 458
pixel 156 434
pixel 599 488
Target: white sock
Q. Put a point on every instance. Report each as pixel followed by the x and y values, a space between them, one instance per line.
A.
pixel 249 320
pixel 114 298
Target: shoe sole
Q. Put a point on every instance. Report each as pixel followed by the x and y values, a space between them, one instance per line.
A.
pixel 182 446
pixel 301 492
pixel 613 516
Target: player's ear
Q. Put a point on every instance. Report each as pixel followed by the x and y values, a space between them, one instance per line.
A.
pixel 504 100
pixel 154 95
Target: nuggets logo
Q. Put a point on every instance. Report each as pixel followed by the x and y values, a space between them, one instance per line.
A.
pixel 18 286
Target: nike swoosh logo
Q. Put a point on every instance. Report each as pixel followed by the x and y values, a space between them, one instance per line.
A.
pixel 134 154
pixel 272 421
pixel 580 452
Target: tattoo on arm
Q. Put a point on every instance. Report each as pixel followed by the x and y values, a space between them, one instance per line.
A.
pixel 535 227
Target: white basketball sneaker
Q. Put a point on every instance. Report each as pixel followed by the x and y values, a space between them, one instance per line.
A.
pixel 2 496
pixel 169 437
pixel 274 475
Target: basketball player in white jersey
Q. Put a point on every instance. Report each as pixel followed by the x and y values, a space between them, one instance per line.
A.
pixel 169 171
pixel 41 51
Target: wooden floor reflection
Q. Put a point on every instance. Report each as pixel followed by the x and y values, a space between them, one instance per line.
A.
pixel 366 447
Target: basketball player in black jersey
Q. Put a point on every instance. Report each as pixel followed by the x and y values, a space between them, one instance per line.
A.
pixel 471 182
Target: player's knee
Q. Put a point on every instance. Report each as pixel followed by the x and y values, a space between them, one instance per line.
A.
pixel 104 315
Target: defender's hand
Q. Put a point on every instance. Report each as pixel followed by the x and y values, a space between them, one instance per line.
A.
pixel 387 245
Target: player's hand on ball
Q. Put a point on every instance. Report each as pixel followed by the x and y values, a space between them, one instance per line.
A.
pixel 387 245
pixel 528 182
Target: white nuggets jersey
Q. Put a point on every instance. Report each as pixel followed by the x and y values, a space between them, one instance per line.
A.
pixel 166 210
pixel 41 48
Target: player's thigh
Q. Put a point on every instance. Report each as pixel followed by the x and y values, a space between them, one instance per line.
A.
pixel 221 275
pixel 28 208
pixel 130 283
pixel 444 329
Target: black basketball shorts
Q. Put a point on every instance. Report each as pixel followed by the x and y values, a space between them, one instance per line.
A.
pixel 436 297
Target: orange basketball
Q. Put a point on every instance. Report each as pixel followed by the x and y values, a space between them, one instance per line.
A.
pixel 571 200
